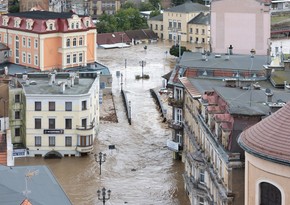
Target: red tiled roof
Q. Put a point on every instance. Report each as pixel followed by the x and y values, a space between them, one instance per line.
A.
pixel 270 139
pixel 112 38
pixel 190 88
pixel 26 202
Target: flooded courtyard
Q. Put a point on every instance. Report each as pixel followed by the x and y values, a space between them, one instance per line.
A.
pixel 140 170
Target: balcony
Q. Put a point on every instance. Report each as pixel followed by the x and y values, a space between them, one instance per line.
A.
pixel 87 127
pixel 85 149
pixel 175 102
pixel 175 125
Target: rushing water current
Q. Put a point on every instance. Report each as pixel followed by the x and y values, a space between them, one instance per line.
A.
pixel 140 171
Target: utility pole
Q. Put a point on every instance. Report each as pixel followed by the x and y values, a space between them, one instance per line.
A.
pixel 142 64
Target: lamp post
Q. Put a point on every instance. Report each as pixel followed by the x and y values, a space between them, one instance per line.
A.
pixel 101 158
pixel 142 64
pixel 122 34
pixel 102 195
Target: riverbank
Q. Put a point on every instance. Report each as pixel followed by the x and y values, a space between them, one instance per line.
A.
pixel 107 110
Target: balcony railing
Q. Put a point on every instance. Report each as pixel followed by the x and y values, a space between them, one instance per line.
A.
pixel 85 149
pixel 175 102
pixel 87 127
pixel 175 125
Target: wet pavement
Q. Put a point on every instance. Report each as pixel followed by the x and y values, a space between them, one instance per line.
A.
pixel 140 171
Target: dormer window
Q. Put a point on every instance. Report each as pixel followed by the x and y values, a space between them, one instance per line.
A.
pixel 77 25
pixel 50 25
pixel 17 22
pixel 74 22
pixel 29 24
pixel 87 21
pixel 5 20
pixel 72 26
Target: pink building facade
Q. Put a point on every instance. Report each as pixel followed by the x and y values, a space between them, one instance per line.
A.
pixel 244 24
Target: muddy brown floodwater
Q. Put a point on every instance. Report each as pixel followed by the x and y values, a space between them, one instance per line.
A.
pixel 140 171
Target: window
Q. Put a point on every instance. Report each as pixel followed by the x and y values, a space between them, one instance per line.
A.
pixel 201 175
pixel 51 106
pixel 201 201
pixel 190 30
pixel 270 194
pixel 17 115
pixel 23 41
pixel 203 31
pixel 196 31
pixel 68 123
pixel 68 106
pixel 77 26
pixel 84 122
pixel 80 57
pixel 72 26
pixel 170 24
pixel 17 98
pixel 37 123
pixel 156 27
pixel 84 105
pixel 24 57
pixel 35 43
pixel 68 59
pixel 80 41
pixel 161 27
pixel 28 42
pixel 0 37
pixel 68 42
pixel 51 27
pixel 35 60
pixel 51 141
pixel 51 123
pixel 17 132
pixel 37 141
pixel 74 42
pixel 179 25
pixel 68 141
pixel 28 58
pixel 37 106
pixel 74 58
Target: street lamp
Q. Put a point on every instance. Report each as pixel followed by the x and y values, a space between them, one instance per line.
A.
pixel 142 64
pixel 102 195
pixel 101 158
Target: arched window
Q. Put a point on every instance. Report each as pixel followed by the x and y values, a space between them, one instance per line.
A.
pixel 68 42
pixel 80 41
pixel 74 42
pixel 270 194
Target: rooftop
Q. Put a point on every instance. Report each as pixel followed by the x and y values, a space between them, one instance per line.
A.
pixel 240 101
pixel 201 18
pixel 269 139
pixel 188 7
pixel 42 15
pixel 12 186
pixel 222 61
pixel 39 84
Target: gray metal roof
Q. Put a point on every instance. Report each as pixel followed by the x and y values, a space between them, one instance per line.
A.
pixel 41 86
pixel 201 18
pixel 235 61
pixel 245 102
pixel 43 187
pixel 156 18
pixel 188 7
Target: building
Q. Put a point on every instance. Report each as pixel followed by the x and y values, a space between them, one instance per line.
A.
pixel 216 97
pixel 48 40
pixel 267 161
pixel 28 5
pixel 54 114
pixel 28 185
pixel 3 6
pixel 211 117
pixel 179 23
pixel 254 25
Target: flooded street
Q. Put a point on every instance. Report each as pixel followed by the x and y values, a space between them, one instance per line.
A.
pixel 140 171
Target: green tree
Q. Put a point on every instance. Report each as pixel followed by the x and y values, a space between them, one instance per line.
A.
pixel 155 3
pixel 174 50
pixel 146 6
pixel 107 24
pixel 128 4
pixel 154 13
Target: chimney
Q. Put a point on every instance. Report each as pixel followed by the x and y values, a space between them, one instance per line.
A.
pixel 62 87
pixel 269 95
pixel 72 79
pixel 231 50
